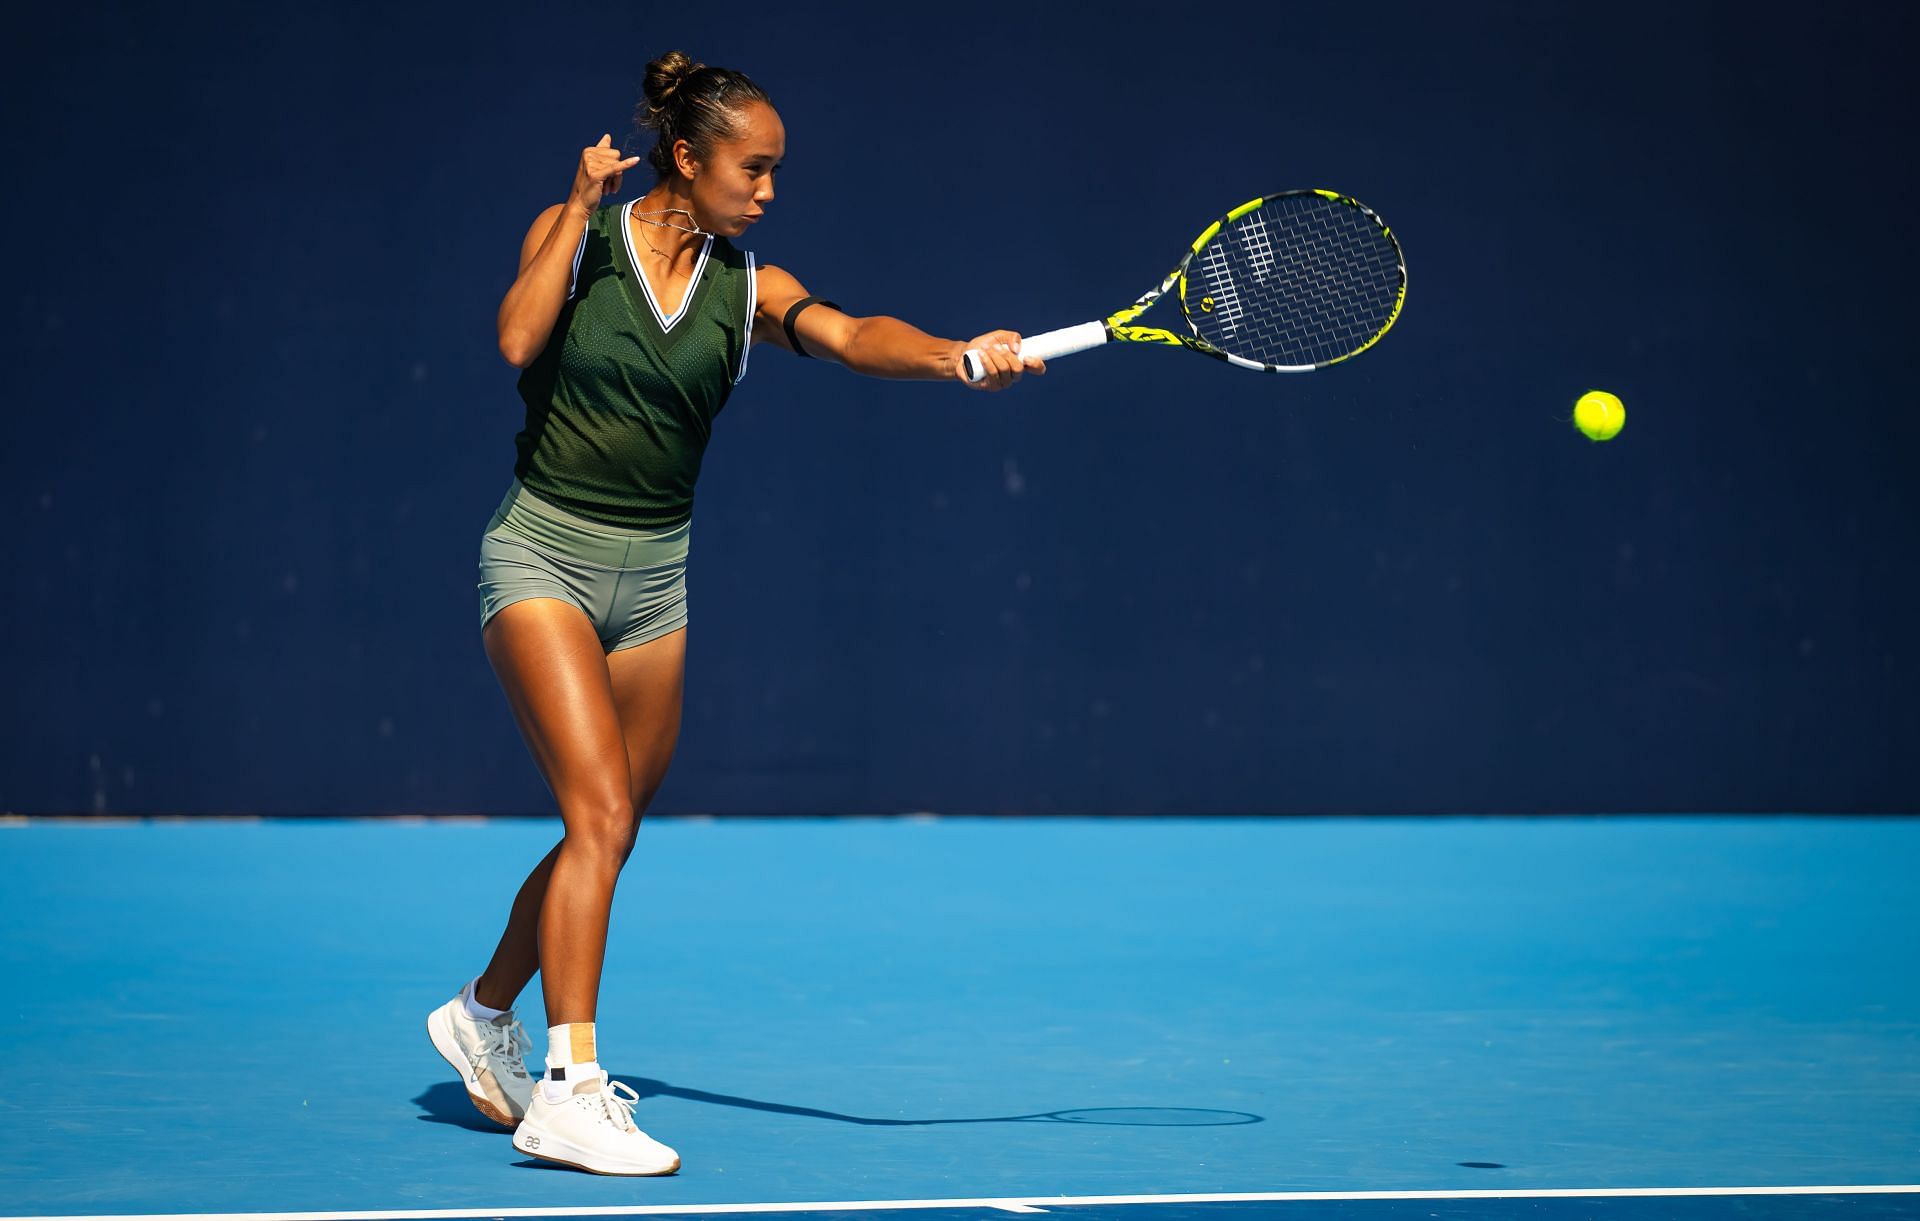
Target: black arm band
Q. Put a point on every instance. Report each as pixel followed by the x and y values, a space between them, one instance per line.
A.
pixel 786 323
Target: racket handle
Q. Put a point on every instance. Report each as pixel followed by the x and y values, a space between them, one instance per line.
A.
pixel 1045 346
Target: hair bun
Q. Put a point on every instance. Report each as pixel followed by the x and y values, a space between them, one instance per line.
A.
pixel 664 77
pixel 694 102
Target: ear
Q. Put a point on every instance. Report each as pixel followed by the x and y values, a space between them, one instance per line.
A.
pixel 684 160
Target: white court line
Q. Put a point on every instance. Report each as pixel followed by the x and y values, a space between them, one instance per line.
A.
pixel 1012 1204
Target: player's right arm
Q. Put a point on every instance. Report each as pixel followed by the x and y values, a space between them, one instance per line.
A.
pixel 532 305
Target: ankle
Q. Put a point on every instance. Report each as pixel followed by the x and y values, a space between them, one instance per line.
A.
pixel 572 1057
pixel 477 1009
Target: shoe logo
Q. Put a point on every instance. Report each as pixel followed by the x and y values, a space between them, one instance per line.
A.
pixel 533 1142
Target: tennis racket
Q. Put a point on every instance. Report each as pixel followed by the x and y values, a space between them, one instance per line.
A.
pixel 1286 283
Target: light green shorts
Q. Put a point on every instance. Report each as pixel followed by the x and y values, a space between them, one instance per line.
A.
pixel 630 583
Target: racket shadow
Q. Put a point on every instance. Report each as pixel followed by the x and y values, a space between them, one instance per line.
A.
pixel 1129 1117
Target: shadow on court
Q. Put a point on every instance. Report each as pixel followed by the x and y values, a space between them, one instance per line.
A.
pixel 446 1102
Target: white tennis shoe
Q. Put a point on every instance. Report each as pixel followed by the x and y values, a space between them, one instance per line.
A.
pixel 592 1129
pixel 490 1058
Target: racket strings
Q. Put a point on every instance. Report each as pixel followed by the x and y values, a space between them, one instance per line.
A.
pixel 1301 280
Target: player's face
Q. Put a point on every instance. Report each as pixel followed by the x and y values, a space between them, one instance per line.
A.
pixel 733 186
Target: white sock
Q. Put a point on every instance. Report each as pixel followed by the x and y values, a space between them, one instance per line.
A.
pixel 571 1059
pixel 475 1010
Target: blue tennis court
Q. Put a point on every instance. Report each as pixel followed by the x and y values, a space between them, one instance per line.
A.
pixel 1418 694
pixel 1140 1019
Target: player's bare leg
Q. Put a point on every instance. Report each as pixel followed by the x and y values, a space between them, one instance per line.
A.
pixel 602 729
pixel 647 681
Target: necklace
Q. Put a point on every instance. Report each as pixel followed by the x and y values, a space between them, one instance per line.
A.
pixel 692 226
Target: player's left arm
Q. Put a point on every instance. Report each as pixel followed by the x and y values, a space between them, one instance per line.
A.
pixel 878 346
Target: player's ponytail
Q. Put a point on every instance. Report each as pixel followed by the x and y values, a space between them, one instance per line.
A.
pixel 692 102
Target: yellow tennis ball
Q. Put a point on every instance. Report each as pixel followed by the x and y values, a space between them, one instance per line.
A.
pixel 1599 415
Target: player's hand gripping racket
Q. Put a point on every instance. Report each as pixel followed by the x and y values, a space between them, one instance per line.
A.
pixel 1286 283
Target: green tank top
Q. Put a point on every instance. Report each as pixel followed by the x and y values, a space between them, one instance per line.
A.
pixel 622 400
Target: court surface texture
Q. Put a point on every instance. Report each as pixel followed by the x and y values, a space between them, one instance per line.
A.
pixel 1102 1019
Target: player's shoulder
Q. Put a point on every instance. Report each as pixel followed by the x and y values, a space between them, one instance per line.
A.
pixel 543 222
pixel 725 253
pixel 775 278
pixel 543 225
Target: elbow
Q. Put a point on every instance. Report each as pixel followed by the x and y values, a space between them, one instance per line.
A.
pixel 517 351
pixel 851 353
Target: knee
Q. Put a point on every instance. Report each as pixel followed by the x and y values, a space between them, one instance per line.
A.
pixel 604 831
pixel 643 800
pixel 648 778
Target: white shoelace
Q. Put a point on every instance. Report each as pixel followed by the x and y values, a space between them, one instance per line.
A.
pixel 509 1043
pixel 617 1101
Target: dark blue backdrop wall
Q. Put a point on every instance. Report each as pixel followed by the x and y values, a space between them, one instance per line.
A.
pixel 256 419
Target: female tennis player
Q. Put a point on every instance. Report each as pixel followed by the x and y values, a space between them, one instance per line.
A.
pixel 631 325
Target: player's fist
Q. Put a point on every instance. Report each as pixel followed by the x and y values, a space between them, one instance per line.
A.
pixel 598 175
pixel 996 355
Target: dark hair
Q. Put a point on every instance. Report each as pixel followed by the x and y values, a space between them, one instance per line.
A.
pixel 691 102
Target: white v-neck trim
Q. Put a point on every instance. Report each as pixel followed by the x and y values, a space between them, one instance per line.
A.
pixel 633 258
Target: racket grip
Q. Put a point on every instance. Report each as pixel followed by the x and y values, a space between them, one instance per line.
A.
pixel 1045 346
